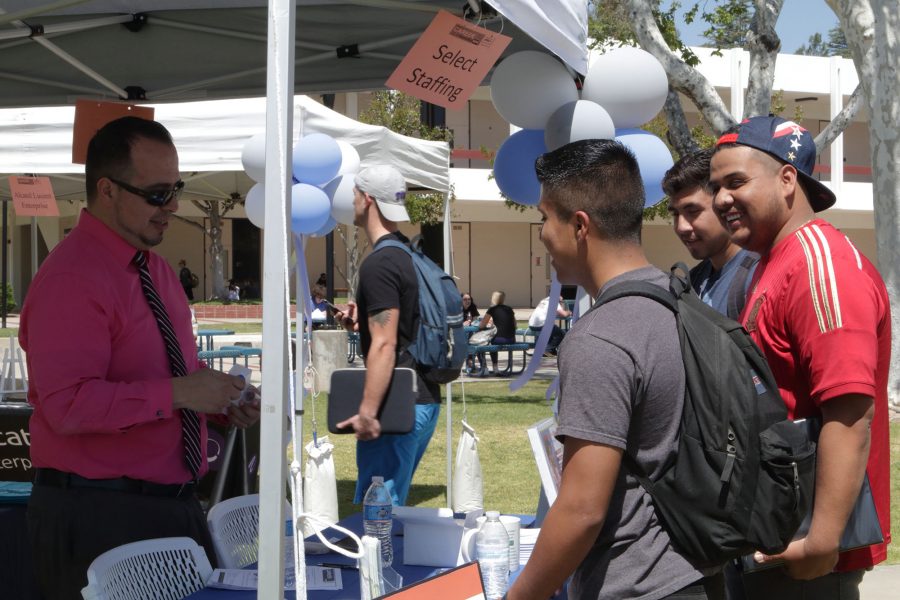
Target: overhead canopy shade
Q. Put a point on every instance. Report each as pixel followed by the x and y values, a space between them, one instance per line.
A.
pixel 210 136
pixel 175 50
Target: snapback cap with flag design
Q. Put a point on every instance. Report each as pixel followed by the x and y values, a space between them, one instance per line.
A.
pixel 788 142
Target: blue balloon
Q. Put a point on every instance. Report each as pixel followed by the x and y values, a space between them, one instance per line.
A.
pixel 317 158
pixel 310 208
pixel 326 229
pixel 514 166
pixel 654 159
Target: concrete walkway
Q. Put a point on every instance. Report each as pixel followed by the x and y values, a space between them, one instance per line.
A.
pixel 882 583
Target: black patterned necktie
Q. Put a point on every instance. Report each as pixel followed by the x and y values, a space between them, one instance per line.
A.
pixel 190 422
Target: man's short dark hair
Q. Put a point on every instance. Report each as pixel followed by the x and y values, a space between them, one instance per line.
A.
pixel 599 177
pixel 109 151
pixel 689 173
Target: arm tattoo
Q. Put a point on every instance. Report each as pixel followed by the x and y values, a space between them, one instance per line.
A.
pixel 381 318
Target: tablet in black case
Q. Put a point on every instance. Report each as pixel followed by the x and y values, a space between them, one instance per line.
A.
pixel 398 411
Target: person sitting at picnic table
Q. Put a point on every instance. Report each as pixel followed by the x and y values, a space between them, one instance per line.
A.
pixel 504 319
pixel 234 292
pixel 470 311
pixel 539 318
pixel 319 313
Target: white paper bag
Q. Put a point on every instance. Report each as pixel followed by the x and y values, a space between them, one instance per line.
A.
pixel 319 484
pixel 468 490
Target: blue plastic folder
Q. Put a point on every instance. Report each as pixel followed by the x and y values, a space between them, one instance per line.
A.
pixel 863 528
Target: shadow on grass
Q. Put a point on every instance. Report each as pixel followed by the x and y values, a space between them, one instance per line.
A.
pixel 346 488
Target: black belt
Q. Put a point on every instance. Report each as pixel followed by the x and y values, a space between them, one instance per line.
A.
pixel 61 479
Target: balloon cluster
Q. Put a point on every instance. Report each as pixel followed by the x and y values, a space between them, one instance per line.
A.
pixel 322 194
pixel 622 89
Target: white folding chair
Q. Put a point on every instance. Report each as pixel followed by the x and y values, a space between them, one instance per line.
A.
pixel 234 527
pixel 162 568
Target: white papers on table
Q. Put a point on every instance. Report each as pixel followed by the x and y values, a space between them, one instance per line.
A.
pixel 317 578
pixel 527 538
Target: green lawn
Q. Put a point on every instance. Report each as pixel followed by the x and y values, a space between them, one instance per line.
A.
pixel 511 482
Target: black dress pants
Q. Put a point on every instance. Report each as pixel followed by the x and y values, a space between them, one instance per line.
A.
pixel 69 527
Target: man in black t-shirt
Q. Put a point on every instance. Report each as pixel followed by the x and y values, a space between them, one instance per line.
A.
pixel 386 311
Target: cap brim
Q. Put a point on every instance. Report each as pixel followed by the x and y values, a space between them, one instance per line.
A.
pixel 393 212
pixel 820 197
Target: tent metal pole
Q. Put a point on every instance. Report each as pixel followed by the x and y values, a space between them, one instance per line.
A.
pixel 37 10
pixel 57 29
pixel 48 45
pixel 276 367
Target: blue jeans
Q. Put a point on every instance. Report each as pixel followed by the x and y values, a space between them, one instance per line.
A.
pixel 395 457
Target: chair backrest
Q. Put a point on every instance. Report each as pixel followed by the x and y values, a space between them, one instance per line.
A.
pixel 234 527
pixel 163 568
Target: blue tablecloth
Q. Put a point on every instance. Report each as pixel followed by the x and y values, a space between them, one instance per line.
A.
pixel 350 577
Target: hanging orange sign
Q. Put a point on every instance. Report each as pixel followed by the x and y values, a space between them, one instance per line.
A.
pixel 33 196
pixel 448 62
pixel 91 115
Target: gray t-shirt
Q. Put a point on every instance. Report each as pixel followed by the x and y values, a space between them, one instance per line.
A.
pixel 622 385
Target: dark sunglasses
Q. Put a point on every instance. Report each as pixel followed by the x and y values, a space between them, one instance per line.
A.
pixel 158 198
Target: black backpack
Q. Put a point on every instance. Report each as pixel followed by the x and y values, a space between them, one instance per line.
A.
pixel 743 475
pixel 439 347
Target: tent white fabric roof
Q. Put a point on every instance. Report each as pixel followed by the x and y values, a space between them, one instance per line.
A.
pixel 177 50
pixel 210 136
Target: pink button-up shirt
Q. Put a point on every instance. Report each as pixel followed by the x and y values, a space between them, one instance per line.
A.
pixel 99 375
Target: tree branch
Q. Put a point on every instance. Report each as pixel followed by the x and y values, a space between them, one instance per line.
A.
pixel 841 120
pixel 763 44
pixel 682 77
pixel 679 134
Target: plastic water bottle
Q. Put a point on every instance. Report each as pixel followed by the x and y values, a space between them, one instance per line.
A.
pixel 492 549
pixel 377 518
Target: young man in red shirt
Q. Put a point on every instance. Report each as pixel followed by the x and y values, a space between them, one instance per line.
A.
pixel 819 311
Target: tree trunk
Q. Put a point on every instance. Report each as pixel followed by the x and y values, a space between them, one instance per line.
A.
pixel 763 45
pixel 871 31
pixel 216 257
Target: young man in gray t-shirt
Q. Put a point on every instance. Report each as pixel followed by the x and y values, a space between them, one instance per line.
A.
pixel 621 391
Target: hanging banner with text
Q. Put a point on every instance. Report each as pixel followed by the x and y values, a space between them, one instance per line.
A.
pixel 33 197
pixel 15 442
pixel 448 62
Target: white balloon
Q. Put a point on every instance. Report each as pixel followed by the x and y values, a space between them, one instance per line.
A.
pixel 528 86
pixel 579 120
pixel 255 205
pixel 340 190
pixel 253 157
pixel 629 83
pixel 349 158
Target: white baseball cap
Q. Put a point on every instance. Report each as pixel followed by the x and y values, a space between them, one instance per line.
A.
pixel 387 186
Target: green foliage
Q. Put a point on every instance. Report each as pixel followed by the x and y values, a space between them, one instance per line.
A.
pixel 610 24
pixel 401 113
pixel 10 299
pixel 835 45
pixel 729 23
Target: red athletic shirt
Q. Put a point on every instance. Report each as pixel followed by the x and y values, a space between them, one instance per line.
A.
pixel 819 311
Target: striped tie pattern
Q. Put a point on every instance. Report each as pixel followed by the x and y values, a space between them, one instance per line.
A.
pixel 190 422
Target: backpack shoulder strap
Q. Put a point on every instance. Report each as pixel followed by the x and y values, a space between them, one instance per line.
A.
pixel 644 289
pixel 736 292
pixel 392 244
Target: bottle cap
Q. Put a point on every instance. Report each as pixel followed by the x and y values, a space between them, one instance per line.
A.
pixel 377 479
pixel 492 514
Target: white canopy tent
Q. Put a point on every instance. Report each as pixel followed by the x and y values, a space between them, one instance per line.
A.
pixel 210 136
pixel 182 49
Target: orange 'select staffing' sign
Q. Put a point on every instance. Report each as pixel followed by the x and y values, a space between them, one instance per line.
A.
pixel 33 196
pixel 448 62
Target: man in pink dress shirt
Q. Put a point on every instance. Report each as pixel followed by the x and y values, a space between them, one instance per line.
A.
pixel 106 432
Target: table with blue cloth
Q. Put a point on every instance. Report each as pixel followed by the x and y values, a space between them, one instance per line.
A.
pixel 349 576
pixel 208 335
